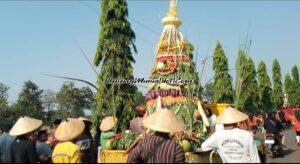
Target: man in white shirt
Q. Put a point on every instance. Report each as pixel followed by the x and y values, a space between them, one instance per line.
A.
pixel 234 145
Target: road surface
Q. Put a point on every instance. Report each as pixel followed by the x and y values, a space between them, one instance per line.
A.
pixel 292 152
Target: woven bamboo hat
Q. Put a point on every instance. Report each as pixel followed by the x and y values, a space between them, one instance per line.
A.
pixel 230 116
pixel 25 125
pixel 164 120
pixel 68 130
pixel 108 123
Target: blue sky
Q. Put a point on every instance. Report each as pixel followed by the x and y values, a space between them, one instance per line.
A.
pixel 38 37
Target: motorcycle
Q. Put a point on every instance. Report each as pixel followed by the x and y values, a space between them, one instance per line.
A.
pixel 273 145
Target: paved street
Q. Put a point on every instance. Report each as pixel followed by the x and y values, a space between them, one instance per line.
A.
pixel 292 153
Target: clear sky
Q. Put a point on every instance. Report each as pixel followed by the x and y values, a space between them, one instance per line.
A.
pixel 38 37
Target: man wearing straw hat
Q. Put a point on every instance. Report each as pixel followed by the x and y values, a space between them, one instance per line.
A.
pixel 234 145
pixel 159 148
pixel 23 149
pixel 66 151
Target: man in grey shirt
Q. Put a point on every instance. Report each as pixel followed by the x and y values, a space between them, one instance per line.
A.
pixel 43 150
pixel 5 143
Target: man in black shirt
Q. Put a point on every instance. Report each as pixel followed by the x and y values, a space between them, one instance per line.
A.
pixel 23 149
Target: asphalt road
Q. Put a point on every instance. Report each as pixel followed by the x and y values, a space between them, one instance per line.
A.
pixel 291 153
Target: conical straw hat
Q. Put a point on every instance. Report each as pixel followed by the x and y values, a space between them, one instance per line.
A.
pixel 25 125
pixel 68 130
pixel 164 120
pixel 231 116
pixel 108 123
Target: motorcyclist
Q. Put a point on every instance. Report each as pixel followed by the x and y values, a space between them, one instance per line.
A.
pixel 281 117
pixel 273 128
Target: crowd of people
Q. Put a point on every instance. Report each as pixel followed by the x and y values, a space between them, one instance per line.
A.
pixel 232 133
pixel 68 141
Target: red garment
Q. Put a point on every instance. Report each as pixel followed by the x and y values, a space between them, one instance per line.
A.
pixel 252 122
pixel 296 124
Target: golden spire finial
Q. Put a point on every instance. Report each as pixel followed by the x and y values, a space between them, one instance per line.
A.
pixel 171 18
pixel 173 8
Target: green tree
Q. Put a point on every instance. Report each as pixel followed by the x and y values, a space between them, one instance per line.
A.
pixel 264 88
pixel 288 88
pixel 222 78
pixel 49 106
pixel 293 87
pixel 251 98
pixel 277 85
pixel 139 98
pixel 6 114
pixel 295 74
pixel 29 102
pixel 72 101
pixel 3 96
pixel 114 52
pixel 49 100
pixel 209 92
pixel 296 84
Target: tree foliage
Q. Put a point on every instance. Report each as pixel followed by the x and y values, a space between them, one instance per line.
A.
pixel 6 114
pixel 3 96
pixel 209 92
pixel 277 85
pixel 114 52
pixel 250 98
pixel 295 74
pixel 288 88
pixel 222 78
pixel 292 87
pixel 29 102
pixel 72 101
pixel 264 88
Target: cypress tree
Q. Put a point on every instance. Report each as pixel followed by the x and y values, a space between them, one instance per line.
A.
pixel 295 74
pixel 264 88
pixel 251 99
pixel 294 97
pixel 115 52
pixel 222 78
pixel 288 88
pixel 277 85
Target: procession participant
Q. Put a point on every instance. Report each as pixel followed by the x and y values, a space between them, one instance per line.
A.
pixel 23 149
pixel 107 128
pixel 272 125
pixel 51 137
pixel 280 124
pixel 252 120
pixel 43 150
pixel 159 148
pixel 66 151
pixel 5 143
pixel 212 118
pixel 136 123
pixel 85 142
pixel 234 145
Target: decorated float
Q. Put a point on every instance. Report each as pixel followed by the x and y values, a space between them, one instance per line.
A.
pixel 177 91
